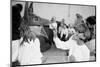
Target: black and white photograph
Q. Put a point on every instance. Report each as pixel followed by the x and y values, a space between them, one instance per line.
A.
pixel 52 33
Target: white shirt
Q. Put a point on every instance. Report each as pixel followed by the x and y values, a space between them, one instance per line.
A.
pixel 81 53
pixel 53 25
pixel 29 53
pixel 15 48
pixel 91 45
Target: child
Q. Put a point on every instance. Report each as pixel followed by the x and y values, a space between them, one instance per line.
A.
pixel 77 51
pixel 28 51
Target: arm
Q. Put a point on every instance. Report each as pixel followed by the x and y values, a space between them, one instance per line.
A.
pixel 15 48
pixel 37 44
pixel 14 56
pixel 61 44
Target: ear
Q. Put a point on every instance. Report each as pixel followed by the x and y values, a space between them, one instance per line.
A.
pixel 79 16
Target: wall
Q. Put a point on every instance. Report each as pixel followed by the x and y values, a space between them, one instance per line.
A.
pixel 60 11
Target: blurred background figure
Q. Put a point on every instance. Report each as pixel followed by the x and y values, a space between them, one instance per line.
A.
pixel 16 20
pixel 63 30
pixel 16 39
pixel 87 28
pixel 53 24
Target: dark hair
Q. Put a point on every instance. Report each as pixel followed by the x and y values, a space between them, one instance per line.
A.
pixel 91 20
pixel 19 6
pixel 26 33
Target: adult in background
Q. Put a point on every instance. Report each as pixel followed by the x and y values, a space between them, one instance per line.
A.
pixel 16 20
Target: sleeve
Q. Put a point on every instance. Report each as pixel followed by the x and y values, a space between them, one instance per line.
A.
pixel 37 43
pixel 15 49
pixel 61 44
pixel 14 56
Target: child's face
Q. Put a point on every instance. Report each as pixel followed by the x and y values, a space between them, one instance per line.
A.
pixel 76 38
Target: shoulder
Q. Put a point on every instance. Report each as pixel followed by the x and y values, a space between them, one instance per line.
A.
pixel 16 42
